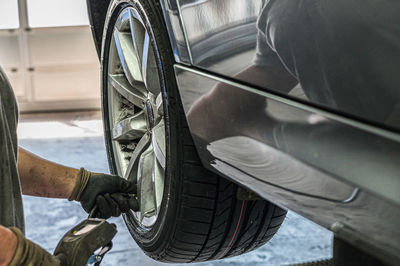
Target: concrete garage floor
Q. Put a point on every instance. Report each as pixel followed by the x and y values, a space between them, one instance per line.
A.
pixel 76 140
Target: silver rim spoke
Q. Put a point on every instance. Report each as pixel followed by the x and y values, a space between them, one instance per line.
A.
pixel 135 95
pixel 136 113
pixel 145 185
pixel 139 149
pixel 152 84
pixel 145 56
pixel 158 183
pixel 134 14
pixel 137 34
pixel 158 142
pixel 130 128
pixel 127 56
pixel 159 105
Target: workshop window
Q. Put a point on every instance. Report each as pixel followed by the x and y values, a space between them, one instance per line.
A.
pixel 57 13
pixel 9 18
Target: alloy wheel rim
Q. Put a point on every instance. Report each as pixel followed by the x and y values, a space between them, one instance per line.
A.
pixel 136 116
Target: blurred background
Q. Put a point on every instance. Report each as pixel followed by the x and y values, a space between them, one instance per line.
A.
pixel 47 52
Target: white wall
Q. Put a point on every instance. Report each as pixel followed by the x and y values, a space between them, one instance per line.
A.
pixel 53 65
pixel 56 13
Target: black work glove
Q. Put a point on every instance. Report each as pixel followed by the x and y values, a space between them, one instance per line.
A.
pixel 28 253
pixel 112 195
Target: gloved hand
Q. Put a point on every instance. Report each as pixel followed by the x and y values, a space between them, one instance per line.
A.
pixel 30 254
pixel 111 194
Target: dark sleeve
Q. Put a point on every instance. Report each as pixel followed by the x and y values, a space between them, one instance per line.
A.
pixel 265 53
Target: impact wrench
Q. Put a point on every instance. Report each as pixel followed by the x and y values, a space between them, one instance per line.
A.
pixel 78 245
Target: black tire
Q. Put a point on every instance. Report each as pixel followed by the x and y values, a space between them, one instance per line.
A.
pixel 200 218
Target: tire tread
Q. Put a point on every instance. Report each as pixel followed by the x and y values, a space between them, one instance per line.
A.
pixel 260 219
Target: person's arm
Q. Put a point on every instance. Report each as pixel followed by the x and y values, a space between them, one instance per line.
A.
pixel 16 250
pixel 229 104
pixel 8 244
pixel 110 193
pixel 40 177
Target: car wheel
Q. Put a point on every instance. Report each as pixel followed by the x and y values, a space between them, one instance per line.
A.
pixel 186 212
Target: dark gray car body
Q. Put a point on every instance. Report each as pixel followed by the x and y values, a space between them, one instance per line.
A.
pixel 335 167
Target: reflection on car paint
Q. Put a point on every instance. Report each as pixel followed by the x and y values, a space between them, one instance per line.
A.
pixel 264 163
pixel 342 61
